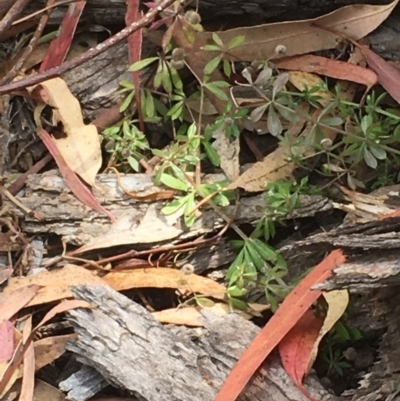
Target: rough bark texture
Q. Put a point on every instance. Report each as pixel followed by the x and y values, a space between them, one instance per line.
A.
pixel 79 225
pixel 122 341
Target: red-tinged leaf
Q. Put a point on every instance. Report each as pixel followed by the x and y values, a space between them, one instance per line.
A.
pixel 388 76
pixel 6 340
pixel 329 68
pixel 295 348
pixel 13 302
pixel 71 179
pixel 24 345
pixel 59 47
pixel 135 41
pixel 293 307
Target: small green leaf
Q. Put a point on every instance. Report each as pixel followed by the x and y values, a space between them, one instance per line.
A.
pixel 217 39
pixel 236 41
pixel 234 291
pixel 254 255
pixel 204 302
pixel 237 303
pixel 212 87
pixel 212 65
pixel 258 112
pixel 139 65
pixel 378 152
pixel 211 48
pixel 274 123
pixel 227 68
pixel 174 206
pixel 133 163
pixel 211 154
pixel 280 83
pixel 370 159
pixel 173 182
pixel 127 101
pixel 264 250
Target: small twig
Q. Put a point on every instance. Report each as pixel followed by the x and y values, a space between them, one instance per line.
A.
pixel 12 14
pixel 4 191
pixel 17 185
pixel 43 10
pixel 89 54
pixel 31 46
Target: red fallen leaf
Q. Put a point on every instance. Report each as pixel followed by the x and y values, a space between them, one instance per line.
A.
pixel 293 307
pixel 135 41
pixel 72 180
pixel 6 340
pixel 59 47
pixel 295 348
pixel 330 68
pixel 388 76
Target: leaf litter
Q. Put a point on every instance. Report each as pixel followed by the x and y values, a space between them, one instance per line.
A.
pixel 79 152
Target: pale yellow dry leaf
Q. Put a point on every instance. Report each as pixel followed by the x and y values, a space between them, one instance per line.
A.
pixel 300 37
pixel 228 151
pixel 55 284
pixel 164 278
pixel 337 303
pixel 80 147
pixel 189 316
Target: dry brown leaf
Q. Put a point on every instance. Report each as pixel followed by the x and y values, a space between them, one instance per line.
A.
pixel 164 278
pixel 44 391
pixel 48 349
pixel 55 284
pixel 330 68
pixel 28 377
pixel 12 300
pixel 337 304
pixel 300 37
pixel 183 316
pixel 80 147
pixel 128 231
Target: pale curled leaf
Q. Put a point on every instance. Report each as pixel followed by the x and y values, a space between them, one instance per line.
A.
pixel 80 147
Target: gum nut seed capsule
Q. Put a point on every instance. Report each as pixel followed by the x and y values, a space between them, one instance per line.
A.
pixel 177 64
pixel 192 17
pixel 280 49
pixel 178 54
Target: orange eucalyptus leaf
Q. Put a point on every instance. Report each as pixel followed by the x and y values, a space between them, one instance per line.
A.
pixel 293 307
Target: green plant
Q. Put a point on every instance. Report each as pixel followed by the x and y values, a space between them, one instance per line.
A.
pixel 258 265
pixel 126 144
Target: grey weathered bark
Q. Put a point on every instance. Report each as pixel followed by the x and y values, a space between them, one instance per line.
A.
pixel 122 341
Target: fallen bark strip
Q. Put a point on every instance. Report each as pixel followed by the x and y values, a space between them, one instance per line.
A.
pixel 122 341
pixel 77 224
